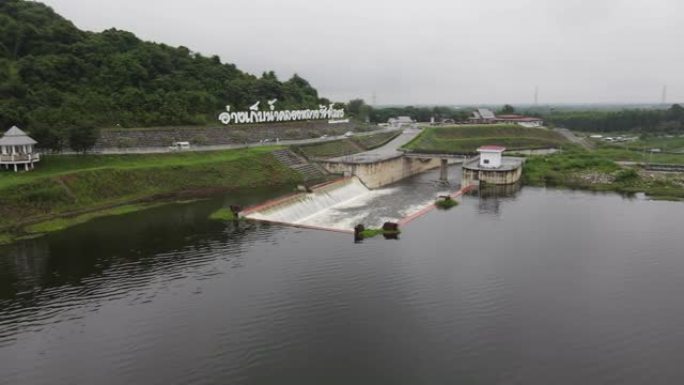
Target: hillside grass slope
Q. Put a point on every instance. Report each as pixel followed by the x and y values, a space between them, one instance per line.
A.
pixel 346 146
pixel 70 185
pixel 465 139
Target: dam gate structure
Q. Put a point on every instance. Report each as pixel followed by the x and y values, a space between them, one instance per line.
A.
pixel 378 172
pixel 387 164
pixel 490 167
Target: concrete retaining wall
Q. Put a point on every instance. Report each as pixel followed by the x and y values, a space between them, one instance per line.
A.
pixel 218 135
pixel 382 172
pixel 491 176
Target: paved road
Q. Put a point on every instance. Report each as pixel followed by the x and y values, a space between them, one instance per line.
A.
pixel 389 150
pixel 574 138
pixel 161 150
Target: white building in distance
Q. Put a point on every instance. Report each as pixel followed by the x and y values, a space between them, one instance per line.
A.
pixel 483 115
pixel 401 121
pixel 486 116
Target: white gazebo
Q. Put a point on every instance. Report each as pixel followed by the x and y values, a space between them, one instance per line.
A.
pixel 16 150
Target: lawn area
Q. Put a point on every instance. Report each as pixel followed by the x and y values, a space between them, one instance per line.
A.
pixel 621 154
pixel 467 138
pixel 671 143
pixel 348 146
pixel 557 169
pixel 674 144
pixel 53 165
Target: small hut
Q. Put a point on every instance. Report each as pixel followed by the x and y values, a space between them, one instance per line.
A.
pixel 490 156
pixel 491 167
pixel 16 150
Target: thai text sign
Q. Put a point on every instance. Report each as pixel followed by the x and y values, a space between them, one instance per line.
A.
pixel 254 115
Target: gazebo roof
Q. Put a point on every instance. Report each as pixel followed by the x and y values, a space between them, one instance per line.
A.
pixel 16 137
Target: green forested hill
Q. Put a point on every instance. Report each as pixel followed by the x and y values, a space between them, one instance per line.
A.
pixel 54 76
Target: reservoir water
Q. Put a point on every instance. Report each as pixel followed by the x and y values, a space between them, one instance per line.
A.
pixel 536 286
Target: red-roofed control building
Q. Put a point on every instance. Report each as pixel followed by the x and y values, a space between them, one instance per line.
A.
pixel 490 156
pixel 491 167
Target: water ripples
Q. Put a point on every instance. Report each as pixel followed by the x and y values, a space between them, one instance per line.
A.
pixel 136 281
pixel 451 300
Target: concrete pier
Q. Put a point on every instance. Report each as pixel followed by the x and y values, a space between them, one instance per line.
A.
pixel 444 170
pixel 509 172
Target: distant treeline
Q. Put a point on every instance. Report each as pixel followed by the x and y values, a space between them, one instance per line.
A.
pixel 669 120
pixel 54 76
pixel 358 109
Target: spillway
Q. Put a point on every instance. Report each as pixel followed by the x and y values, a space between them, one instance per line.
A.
pixel 299 208
pixel 343 204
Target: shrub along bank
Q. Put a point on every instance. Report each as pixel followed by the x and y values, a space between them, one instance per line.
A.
pixel 64 186
pixel 599 172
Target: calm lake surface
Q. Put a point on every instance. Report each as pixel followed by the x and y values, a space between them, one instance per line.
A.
pixel 530 287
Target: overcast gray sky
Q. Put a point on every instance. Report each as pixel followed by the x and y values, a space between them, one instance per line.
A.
pixel 427 51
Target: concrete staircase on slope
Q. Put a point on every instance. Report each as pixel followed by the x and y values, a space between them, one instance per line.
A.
pixel 302 166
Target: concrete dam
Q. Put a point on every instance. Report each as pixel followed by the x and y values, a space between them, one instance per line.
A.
pixel 367 192
pixel 376 173
pixel 384 165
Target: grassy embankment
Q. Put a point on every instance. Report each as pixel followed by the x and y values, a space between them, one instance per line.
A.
pixel 347 146
pixel 62 223
pixel 222 214
pixel 446 203
pixel 641 148
pixel 665 144
pixel 66 190
pixel 598 171
pixel 622 154
pixel 465 139
pixel 575 168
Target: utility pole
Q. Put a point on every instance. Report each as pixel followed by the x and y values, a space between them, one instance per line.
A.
pixel 536 95
pixel 663 98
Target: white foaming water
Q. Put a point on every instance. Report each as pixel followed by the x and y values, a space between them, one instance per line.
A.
pixel 344 204
pixel 346 215
pixel 301 208
pixel 414 208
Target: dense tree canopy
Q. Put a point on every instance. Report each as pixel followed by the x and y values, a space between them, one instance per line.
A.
pixel 639 120
pixel 82 138
pixel 507 109
pixel 54 77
